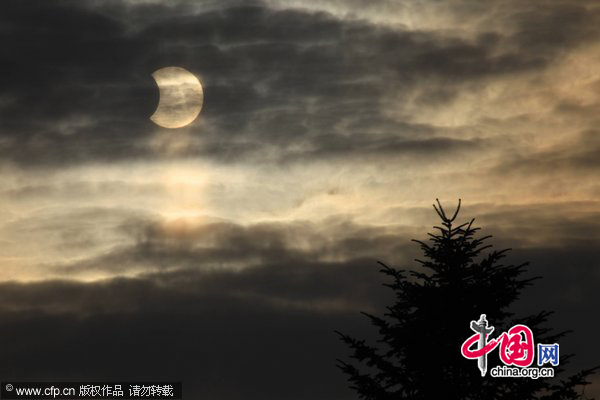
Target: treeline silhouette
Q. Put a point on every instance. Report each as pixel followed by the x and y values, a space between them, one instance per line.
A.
pixel 417 354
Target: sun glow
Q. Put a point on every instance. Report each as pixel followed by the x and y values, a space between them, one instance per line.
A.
pixel 184 184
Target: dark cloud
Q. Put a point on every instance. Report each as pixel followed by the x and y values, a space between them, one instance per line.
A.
pixel 80 190
pixel 156 245
pixel 560 224
pixel 219 346
pixel 264 328
pixel 261 332
pixel 309 249
pixel 553 29
pixel 77 85
pixel 331 266
pixel 581 156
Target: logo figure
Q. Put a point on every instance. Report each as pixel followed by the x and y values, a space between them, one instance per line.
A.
pixel 483 330
pixel 516 347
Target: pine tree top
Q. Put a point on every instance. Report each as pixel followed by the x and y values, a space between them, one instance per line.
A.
pixel 417 356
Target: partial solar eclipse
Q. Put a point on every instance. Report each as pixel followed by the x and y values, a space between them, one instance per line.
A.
pixel 181 97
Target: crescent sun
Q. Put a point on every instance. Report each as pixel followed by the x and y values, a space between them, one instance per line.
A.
pixel 181 97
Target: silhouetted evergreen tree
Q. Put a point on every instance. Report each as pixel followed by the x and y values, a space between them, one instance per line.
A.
pixel 418 352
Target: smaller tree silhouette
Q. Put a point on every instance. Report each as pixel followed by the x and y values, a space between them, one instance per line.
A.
pixel 418 353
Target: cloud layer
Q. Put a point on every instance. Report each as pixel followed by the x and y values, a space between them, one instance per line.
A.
pixel 281 84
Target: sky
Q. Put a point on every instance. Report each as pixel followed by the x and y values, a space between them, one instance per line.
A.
pixel 224 254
